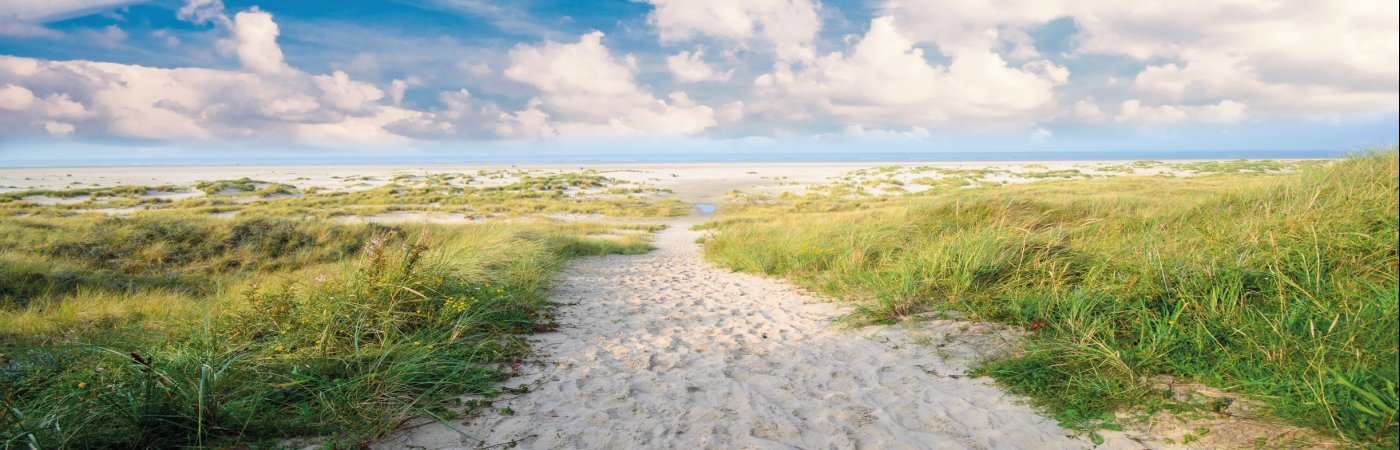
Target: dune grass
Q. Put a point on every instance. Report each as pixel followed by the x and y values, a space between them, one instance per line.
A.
pixel 1280 287
pixel 174 329
pixel 484 194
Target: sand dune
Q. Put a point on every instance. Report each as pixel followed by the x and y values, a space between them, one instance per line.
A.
pixel 665 351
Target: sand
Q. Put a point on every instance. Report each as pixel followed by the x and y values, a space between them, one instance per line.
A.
pixel 701 182
pixel 663 350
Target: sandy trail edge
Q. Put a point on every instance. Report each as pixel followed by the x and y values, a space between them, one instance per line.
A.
pixel 662 350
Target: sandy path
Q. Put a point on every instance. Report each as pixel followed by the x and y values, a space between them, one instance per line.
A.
pixel 665 351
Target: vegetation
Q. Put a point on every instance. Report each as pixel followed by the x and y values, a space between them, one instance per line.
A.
pixel 244 185
pixel 173 328
pixel 1277 286
pixel 482 195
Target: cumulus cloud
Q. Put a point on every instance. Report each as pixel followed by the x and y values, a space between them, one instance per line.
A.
pixel 1284 58
pixel 786 26
pixel 885 79
pixel 1085 110
pixel 690 67
pixel 15 98
pixel 268 99
pixel 1225 111
pixel 920 65
pixel 585 90
pixel 254 42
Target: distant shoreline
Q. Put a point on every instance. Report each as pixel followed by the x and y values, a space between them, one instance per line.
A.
pixel 10 165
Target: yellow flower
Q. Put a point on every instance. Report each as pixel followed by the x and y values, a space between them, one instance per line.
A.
pixel 81 385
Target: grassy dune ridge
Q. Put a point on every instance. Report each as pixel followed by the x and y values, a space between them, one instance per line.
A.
pixel 1279 287
pixel 499 193
pixel 168 329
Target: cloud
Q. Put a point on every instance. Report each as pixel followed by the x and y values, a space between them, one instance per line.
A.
pixel 787 26
pixel 203 11
pixel 585 90
pixel 690 67
pixel 266 100
pixel 1085 110
pixel 42 11
pixel 15 98
pixel 58 128
pixel 860 131
pixel 11 26
pixel 503 16
pixel 1225 111
pixel 920 65
pixel 254 42
pixel 1283 58
pixel 109 36
pixel 885 79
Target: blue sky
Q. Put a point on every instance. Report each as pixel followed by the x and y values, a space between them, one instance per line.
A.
pixel 192 77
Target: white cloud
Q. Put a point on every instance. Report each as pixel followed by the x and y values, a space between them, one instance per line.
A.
pixel 690 67
pixel 1284 58
pixel 731 112
pixel 348 95
pixel 397 88
pixel 11 26
pixel 585 90
pixel 165 36
pixel 254 42
pixel 15 98
pixel 885 79
pixel 109 36
pixel 270 100
pixel 203 11
pixel 50 10
pixel 1225 111
pixel 860 131
pixel 1087 111
pixel 788 26
pixel 529 123
pixel 461 116
pixel 58 128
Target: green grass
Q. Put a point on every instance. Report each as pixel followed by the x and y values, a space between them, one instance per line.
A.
pixel 524 193
pixel 174 329
pixel 1280 287
pixel 243 186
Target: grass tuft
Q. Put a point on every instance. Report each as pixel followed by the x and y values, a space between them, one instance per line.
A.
pixel 1255 278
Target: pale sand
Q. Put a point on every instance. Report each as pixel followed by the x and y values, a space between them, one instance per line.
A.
pixel 663 350
pixel 694 182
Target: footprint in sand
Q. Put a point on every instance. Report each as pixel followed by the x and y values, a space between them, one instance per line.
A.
pixel 706 358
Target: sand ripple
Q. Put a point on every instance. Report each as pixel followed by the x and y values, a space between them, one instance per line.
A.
pixel 665 351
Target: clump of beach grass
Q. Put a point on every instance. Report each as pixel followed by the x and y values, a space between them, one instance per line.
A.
pixel 159 331
pixel 1280 287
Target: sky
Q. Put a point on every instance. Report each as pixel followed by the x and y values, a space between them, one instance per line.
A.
pixel 180 78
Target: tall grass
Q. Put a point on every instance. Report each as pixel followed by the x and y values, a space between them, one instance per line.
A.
pixel 299 328
pixel 1280 287
pixel 520 193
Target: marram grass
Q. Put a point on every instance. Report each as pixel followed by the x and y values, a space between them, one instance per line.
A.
pixel 178 330
pixel 1282 286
